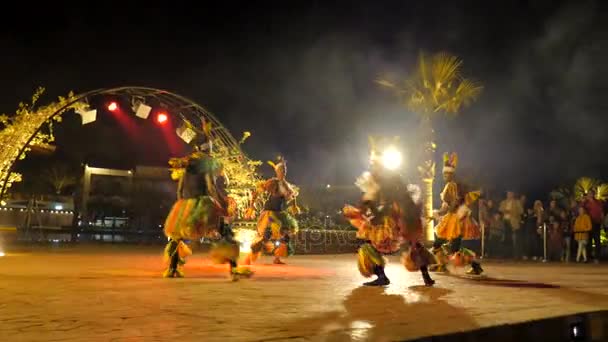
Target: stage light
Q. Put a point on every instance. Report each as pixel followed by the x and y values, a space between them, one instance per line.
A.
pixel 142 111
pixel 2 254
pixel 3 203
pixel 161 118
pixel 88 115
pixel 186 133
pixel 113 106
pixel 58 207
pixel 391 158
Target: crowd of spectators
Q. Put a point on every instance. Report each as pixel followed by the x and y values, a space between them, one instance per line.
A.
pixel 519 229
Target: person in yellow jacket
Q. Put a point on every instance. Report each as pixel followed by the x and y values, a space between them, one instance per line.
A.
pixel 582 227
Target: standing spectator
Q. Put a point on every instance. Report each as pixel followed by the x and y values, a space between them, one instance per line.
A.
pixel 512 211
pixel 573 210
pixel 555 239
pixel 496 236
pixel 554 209
pixel 525 241
pixel 582 226
pixel 540 218
pixel 523 200
pixel 573 213
pixel 595 210
pixel 491 208
pixel 530 233
pixel 566 229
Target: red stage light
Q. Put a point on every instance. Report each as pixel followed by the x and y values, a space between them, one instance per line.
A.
pixel 112 106
pixel 161 118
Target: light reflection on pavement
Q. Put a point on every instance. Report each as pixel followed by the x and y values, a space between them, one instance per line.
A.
pixel 118 294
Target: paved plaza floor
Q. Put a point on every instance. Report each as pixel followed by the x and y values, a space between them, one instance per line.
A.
pixel 117 294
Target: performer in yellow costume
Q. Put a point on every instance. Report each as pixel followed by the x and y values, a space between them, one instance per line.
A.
pixel 455 222
pixel 276 225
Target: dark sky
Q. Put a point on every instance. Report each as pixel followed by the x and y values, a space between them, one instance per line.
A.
pixel 300 78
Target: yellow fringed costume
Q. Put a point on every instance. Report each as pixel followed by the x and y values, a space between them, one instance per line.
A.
pixel 456 222
pixel 387 217
pixel 202 210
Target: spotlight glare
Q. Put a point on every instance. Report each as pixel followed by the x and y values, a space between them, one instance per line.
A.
pixel 391 158
pixel 112 106
pixel 161 118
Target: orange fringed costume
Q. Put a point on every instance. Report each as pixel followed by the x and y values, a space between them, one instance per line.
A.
pixel 456 221
pixel 387 217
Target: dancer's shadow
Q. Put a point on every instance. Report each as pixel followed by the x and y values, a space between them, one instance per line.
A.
pixel 498 282
pixel 372 314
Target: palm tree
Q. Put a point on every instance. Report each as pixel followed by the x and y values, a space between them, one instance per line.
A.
pixel 601 193
pixel 437 88
pixel 583 186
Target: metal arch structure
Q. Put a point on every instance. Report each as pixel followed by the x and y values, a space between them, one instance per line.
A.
pixel 174 105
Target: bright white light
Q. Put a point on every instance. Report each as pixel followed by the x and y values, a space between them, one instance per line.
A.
pixel 328 186
pixel 2 254
pixel 58 207
pixel 359 330
pixel 245 237
pixel 391 158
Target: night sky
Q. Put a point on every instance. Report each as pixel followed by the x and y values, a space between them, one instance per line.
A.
pixel 300 78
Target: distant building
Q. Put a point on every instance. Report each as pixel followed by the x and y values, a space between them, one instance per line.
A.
pixel 114 205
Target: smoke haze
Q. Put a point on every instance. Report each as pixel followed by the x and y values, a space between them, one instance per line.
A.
pixel 301 79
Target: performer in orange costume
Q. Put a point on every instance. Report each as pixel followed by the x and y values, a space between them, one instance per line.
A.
pixel 387 218
pixel 276 224
pixel 455 222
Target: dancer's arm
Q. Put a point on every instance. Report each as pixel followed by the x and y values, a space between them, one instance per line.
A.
pixel 260 189
pixel 180 187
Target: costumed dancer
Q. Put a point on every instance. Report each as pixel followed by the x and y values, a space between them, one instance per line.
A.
pixel 455 223
pixel 198 212
pixel 386 218
pixel 227 249
pixel 276 226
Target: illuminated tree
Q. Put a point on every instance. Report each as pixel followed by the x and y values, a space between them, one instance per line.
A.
pixel 242 174
pixel 16 129
pixel 436 88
